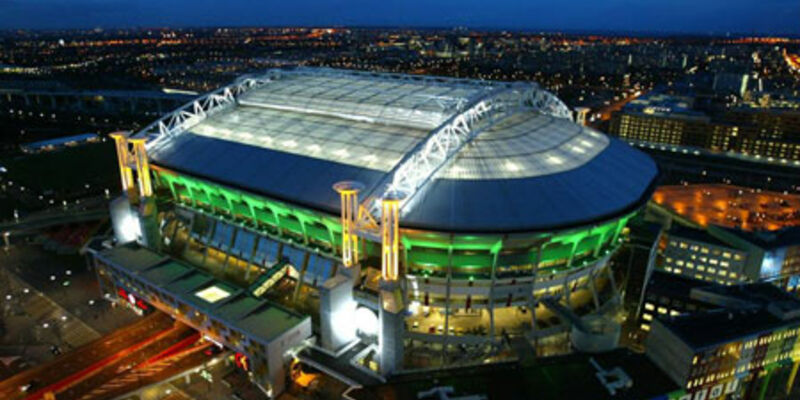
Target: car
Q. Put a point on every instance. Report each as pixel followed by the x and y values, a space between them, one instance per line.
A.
pixel 30 386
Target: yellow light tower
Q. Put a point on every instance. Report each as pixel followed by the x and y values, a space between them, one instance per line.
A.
pixel 125 171
pixel 132 154
pixel 391 314
pixel 142 167
pixel 390 238
pixel 348 191
pixel 580 115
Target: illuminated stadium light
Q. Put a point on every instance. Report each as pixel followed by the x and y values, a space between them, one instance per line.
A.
pixel 366 321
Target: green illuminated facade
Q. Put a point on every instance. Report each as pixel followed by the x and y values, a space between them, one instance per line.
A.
pixel 425 253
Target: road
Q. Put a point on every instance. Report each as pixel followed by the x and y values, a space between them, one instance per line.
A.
pixel 88 209
pixel 86 356
pixel 66 281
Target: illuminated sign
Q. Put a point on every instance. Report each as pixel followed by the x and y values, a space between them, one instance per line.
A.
pixel 133 300
pixel 241 361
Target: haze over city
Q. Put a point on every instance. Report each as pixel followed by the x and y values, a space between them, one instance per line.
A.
pixel 678 16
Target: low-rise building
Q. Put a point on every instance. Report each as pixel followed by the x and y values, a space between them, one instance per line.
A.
pixel 263 333
pixel 745 347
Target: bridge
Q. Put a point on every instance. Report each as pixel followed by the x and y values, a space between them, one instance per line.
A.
pixel 91 101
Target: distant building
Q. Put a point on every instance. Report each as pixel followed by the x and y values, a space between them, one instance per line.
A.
pixel 730 256
pixel 57 143
pixel 697 254
pixel 771 256
pixel 745 347
pixel 662 119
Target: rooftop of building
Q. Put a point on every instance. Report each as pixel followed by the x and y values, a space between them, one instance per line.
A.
pixel 671 285
pixel 222 301
pixel 730 206
pixel 711 328
pixel 696 235
pixel 553 378
pixel 739 311
pixel 787 236
pixel 60 141
pixel 660 104
pixel 306 129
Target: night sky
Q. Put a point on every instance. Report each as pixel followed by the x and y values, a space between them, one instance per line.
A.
pixel 682 16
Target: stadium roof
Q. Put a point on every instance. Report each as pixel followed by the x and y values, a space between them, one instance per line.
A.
pixel 299 132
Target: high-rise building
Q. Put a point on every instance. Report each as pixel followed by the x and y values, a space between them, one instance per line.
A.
pixel 673 121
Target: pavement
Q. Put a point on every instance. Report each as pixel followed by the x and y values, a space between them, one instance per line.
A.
pixel 67 282
pixel 84 357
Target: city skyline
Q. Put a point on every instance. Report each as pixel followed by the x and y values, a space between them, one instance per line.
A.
pixel 773 17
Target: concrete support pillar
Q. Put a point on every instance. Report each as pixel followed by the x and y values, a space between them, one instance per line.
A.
pixel 251 256
pixel 229 247
pixel 593 288
pixel 148 222
pixel 301 276
pixel 392 325
pixel 792 376
pixel 495 254
pixel 532 296
pixel 189 233
pixel 337 312
pixel 446 343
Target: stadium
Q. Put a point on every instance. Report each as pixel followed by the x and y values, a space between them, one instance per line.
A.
pixel 408 214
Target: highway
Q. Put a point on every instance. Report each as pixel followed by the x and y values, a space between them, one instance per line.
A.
pixel 84 357
pixel 90 209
